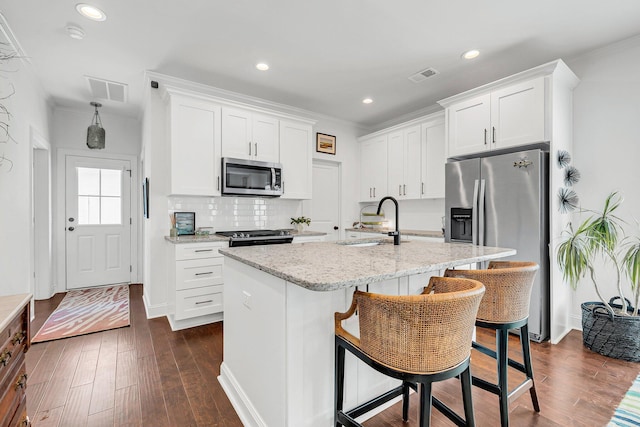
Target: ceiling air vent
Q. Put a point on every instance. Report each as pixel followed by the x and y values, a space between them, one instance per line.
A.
pixel 423 75
pixel 105 89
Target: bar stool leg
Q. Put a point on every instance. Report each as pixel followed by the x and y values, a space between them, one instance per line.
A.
pixel 339 381
pixel 405 401
pixel 425 404
pixel 465 380
pixel 528 366
pixel 502 353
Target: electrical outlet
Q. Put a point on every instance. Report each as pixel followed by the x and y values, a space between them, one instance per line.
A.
pixel 246 299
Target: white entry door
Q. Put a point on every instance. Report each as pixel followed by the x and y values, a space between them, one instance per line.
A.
pixel 98 221
pixel 325 203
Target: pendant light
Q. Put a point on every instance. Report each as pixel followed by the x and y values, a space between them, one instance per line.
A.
pixel 95 132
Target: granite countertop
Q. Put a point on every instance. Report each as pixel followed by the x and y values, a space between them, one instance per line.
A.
pixel 216 238
pixel 421 233
pixel 10 306
pixel 327 266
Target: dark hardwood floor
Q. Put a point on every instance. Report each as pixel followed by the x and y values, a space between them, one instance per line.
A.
pixel 147 375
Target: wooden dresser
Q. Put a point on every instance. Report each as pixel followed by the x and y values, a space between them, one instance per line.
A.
pixel 14 342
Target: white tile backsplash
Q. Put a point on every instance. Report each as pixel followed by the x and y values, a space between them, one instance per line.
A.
pixel 237 213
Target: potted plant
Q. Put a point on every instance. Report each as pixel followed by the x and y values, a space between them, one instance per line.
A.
pixel 607 328
pixel 299 222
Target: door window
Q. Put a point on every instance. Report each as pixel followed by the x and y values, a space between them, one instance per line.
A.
pixel 99 196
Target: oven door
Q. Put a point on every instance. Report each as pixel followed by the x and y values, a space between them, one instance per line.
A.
pixel 251 178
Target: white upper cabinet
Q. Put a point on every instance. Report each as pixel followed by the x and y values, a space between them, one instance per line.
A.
pixel 373 168
pixel 296 158
pixel 404 163
pixel 433 160
pixel 517 114
pixel 195 130
pixel 250 136
pixel 469 124
pixel 506 117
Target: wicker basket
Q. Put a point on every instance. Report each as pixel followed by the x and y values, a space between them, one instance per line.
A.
pixel 613 336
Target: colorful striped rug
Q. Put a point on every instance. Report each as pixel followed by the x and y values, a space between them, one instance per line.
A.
pixel 86 311
pixel 628 412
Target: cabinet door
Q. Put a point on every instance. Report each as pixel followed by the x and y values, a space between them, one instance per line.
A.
pixel 517 114
pixel 373 169
pixel 195 147
pixel 395 163
pixel 264 138
pixel 236 134
pixel 412 163
pixel 433 161
pixel 296 158
pixel 469 124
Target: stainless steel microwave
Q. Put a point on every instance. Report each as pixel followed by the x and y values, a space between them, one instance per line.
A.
pixel 251 178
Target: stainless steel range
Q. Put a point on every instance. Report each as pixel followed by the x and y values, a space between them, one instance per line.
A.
pixel 256 237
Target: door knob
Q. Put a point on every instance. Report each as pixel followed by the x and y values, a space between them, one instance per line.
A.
pixel 335 227
pixel 71 219
pixel 71 228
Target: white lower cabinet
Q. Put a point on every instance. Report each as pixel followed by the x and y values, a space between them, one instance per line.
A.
pixel 196 287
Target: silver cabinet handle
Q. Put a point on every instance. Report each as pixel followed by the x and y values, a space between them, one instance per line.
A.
pixel 374 192
pixel 204 302
pixel 218 182
pixel 399 190
pixel 203 250
pixel 422 188
pixel 249 147
pixel 494 134
pixel 204 274
pixel 485 136
pixel 256 150
pixel 404 189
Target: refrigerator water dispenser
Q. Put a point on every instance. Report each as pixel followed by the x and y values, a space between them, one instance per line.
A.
pixel 461 224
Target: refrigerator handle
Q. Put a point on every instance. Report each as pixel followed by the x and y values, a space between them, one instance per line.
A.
pixel 474 214
pixel 480 228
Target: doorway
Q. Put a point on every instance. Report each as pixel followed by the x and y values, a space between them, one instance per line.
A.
pixel 97 221
pixel 326 203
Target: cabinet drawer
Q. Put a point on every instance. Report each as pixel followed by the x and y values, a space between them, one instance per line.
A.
pixel 13 389
pixel 198 250
pixel 14 342
pixel 197 273
pixel 198 302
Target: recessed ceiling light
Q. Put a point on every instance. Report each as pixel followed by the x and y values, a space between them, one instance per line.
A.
pixel 470 54
pixel 75 32
pixel 367 101
pixel 91 12
pixel 262 66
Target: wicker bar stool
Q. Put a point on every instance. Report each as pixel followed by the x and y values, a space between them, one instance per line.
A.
pixel 418 339
pixel 505 306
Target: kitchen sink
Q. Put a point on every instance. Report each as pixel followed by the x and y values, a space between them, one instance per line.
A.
pixel 361 244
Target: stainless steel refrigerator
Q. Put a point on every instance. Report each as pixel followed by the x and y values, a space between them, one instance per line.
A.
pixel 502 201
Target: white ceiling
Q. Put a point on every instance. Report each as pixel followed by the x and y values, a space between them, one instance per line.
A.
pixel 325 55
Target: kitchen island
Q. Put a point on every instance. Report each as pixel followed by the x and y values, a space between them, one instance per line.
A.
pixel 279 303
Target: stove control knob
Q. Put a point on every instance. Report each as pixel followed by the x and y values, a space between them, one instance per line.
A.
pixel 234 235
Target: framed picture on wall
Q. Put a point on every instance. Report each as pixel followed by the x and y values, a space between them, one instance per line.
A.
pixel 185 223
pixel 325 143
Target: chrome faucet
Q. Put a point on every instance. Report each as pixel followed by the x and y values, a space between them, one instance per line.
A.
pixel 395 234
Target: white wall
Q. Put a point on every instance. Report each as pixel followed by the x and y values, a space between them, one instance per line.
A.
pixel 29 113
pixel 607 140
pixel 123 137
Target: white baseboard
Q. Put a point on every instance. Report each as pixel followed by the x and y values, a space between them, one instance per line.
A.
pixel 239 400
pixel 177 325
pixel 153 311
pixel 575 321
